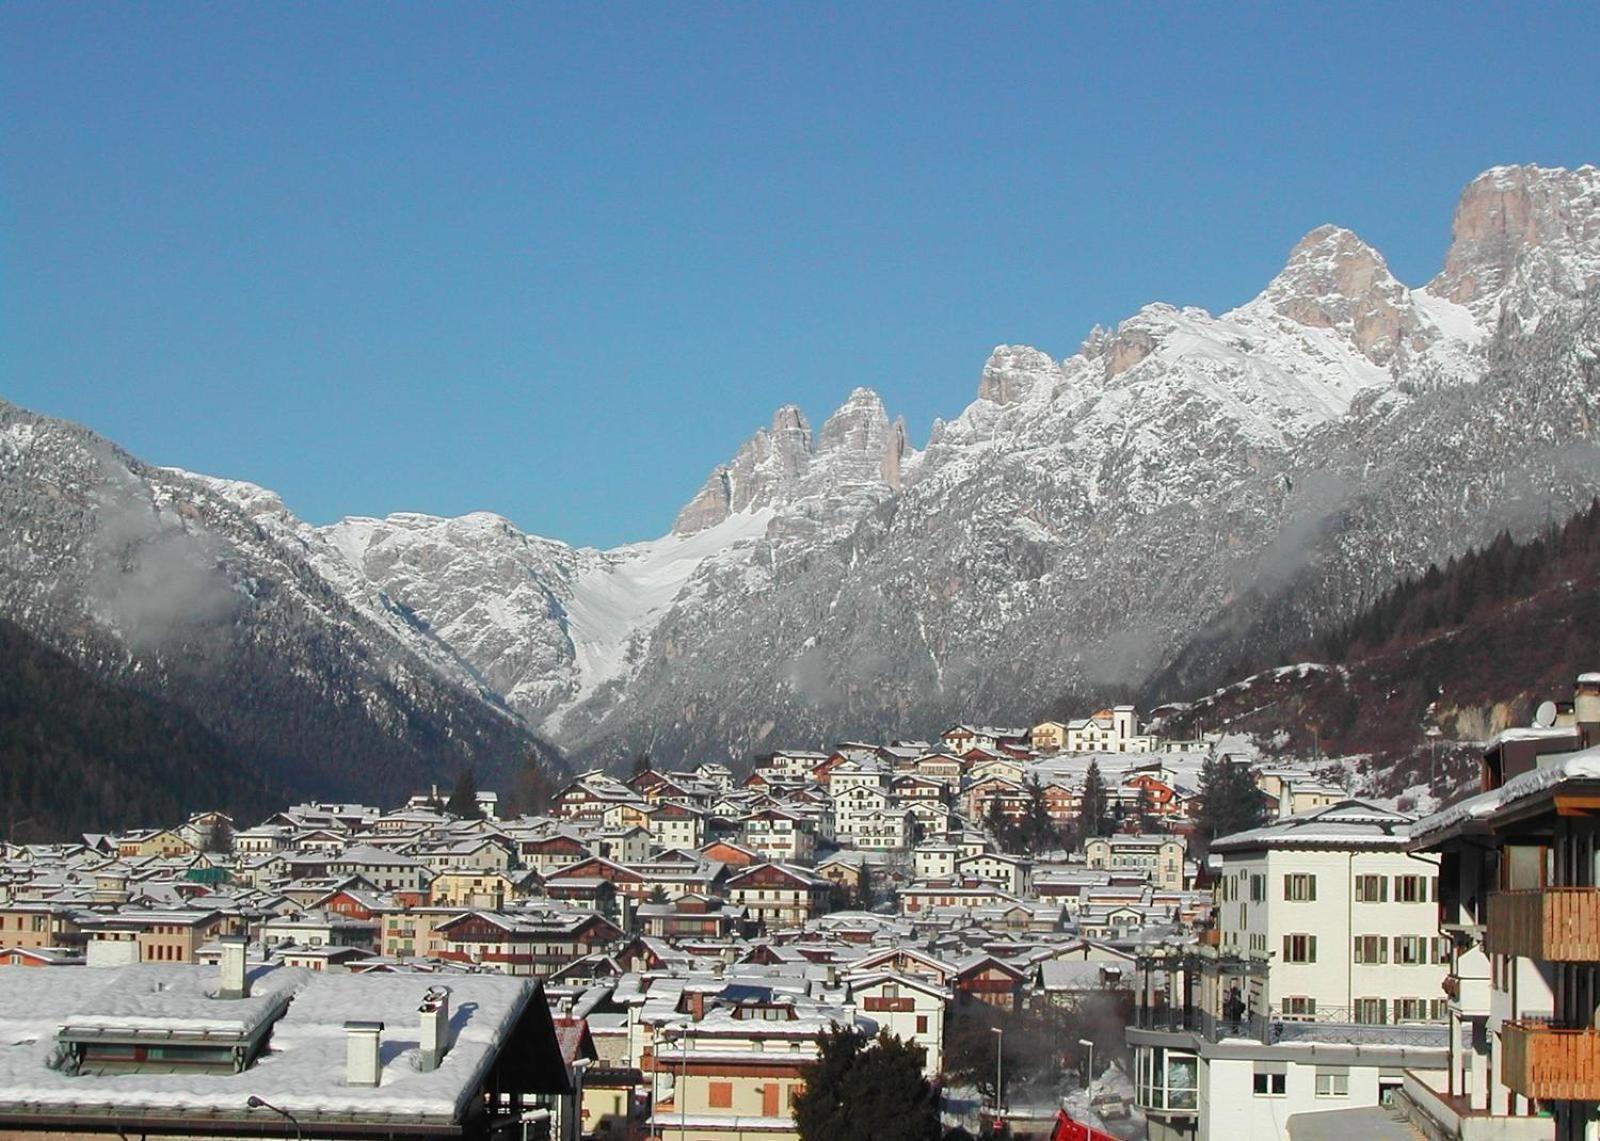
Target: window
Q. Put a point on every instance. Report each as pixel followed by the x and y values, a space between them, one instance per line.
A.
pixel 1372 1011
pixel 1271 1083
pixel 1333 1081
pixel 1258 889
pixel 1411 949
pixel 1300 887
pixel 1168 1079
pixel 1410 889
pixel 1441 950
pixel 1299 1006
pixel 719 1095
pixel 922 1024
pixel 1410 1010
pixel 1370 949
pixel 1372 889
pixel 1299 948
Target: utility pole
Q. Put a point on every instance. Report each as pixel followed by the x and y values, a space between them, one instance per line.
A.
pixel 999 1054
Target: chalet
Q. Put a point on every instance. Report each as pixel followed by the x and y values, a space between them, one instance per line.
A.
pixel 912 786
pixel 525 942
pixel 779 894
pixel 960 738
pixel 546 854
pixel 730 855
pixel 692 916
pixel 985 978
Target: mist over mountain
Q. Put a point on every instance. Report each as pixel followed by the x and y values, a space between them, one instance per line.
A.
pixel 1185 492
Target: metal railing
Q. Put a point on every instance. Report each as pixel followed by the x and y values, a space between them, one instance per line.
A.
pixel 1331 1024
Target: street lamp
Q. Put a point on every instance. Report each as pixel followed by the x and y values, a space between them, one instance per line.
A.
pixel 1090 1044
pixel 255 1102
pixel 999 1053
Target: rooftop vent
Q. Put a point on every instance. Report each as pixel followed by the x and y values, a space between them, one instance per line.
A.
pixel 435 1036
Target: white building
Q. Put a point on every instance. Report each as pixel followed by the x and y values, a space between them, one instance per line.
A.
pixel 1321 989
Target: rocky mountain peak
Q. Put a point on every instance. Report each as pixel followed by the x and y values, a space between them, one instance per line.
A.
pixel 1014 371
pixel 1539 226
pixel 764 471
pixel 1334 280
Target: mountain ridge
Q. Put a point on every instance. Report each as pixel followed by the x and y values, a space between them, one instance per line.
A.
pixel 1123 519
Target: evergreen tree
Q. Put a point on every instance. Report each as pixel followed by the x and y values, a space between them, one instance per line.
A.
pixel 1229 800
pixel 1092 808
pixel 463 802
pixel 1039 829
pixel 1000 825
pixel 862 1089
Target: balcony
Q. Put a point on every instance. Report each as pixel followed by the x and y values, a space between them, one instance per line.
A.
pixel 1554 924
pixel 1539 1061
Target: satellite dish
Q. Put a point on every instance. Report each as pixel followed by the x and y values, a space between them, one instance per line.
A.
pixel 1545 716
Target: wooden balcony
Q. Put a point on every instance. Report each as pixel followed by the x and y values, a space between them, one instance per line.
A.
pixel 1552 1065
pixel 1553 924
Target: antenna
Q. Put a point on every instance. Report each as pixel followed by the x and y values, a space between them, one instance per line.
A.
pixel 1545 716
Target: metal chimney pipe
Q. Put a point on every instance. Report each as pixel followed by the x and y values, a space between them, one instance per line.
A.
pixel 435 1037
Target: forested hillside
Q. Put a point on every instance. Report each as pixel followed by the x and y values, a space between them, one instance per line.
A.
pixel 1435 665
pixel 77 754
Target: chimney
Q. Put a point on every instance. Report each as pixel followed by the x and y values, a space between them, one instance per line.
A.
pixel 435 1039
pixel 697 1004
pixel 1586 708
pixel 232 982
pixel 361 1066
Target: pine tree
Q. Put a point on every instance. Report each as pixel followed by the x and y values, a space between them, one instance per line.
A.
pixel 862 1089
pixel 463 802
pixel 1229 800
pixel 1039 830
pixel 1092 808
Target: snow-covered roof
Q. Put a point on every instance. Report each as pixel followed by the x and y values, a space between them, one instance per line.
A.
pixel 1584 765
pixel 1350 823
pixel 304 1072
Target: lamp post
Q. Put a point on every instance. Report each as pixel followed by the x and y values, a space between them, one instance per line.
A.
pixel 1090 1077
pixel 999 1053
pixel 255 1102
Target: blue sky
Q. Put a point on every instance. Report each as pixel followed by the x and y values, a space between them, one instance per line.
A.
pixel 557 261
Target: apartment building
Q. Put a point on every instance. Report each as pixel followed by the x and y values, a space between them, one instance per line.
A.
pixel 1520 903
pixel 1318 990
pixel 1158 858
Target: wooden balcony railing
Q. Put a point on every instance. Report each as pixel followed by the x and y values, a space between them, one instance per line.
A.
pixel 1555 924
pixel 1552 1065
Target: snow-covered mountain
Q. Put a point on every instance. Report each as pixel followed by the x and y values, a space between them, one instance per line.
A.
pixel 212 597
pixel 1184 486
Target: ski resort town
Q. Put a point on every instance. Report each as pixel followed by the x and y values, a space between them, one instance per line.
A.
pixel 1082 920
